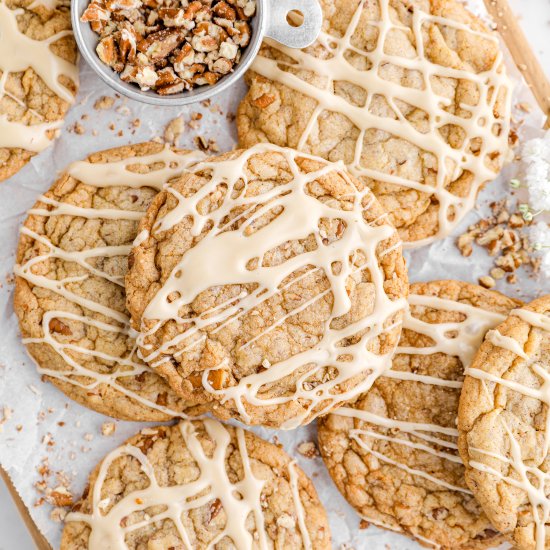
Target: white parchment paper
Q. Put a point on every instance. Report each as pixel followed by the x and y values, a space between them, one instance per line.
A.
pixel 46 425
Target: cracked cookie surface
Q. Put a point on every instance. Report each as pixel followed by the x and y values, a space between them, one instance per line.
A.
pixel 504 425
pixel 39 77
pixel 69 293
pixel 198 485
pixel 269 284
pixel 411 95
pixel 393 453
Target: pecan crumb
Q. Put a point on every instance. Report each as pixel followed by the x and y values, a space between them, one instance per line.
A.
pixel 108 428
pixel 308 449
pixel 104 102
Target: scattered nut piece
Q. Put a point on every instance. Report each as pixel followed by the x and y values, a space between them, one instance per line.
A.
pixel 487 282
pixel 174 129
pixel 308 449
pixel 108 428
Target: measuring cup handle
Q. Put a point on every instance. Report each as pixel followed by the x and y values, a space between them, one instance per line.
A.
pixel 280 30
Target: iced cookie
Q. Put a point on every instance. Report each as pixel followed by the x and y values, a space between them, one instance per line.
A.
pixel 270 284
pixel 197 485
pixel 38 77
pixel 411 94
pixel 69 294
pixel 393 453
pixel 504 426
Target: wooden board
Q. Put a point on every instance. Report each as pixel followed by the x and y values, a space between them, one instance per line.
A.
pixel 37 536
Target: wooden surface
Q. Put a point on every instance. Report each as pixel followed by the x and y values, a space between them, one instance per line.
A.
pixel 524 58
pixel 37 537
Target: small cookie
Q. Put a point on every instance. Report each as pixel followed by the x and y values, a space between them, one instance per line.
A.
pixel 268 283
pixel 197 485
pixel 392 453
pixel 69 293
pixel 504 426
pixel 411 94
pixel 38 57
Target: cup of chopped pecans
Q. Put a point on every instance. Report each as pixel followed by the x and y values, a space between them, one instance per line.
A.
pixel 176 52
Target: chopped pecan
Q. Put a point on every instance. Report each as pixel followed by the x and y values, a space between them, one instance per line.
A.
pixel 56 325
pixel 95 12
pixel 128 42
pixel 160 44
pixel 225 11
pixel 108 53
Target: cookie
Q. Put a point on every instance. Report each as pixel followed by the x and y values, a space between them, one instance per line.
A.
pixel 411 94
pixel 269 284
pixel 39 77
pixel 393 453
pixel 197 485
pixel 504 426
pixel 69 293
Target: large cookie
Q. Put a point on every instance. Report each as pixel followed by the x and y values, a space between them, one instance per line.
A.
pixel 393 453
pixel 504 426
pixel 69 294
pixel 197 485
pixel 38 77
pixel 270 284
pixel 411 94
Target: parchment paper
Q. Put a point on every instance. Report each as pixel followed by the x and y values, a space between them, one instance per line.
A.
pixel 45 424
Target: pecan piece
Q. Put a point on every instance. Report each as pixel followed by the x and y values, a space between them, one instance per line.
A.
pixel 128 42
pixel 172 17
pixel 186 56
pixel 56 325
pixel 108 53
pixel 115 5
pixel 160 44
pixel 145 76
pixel 225 11
pixel 95 12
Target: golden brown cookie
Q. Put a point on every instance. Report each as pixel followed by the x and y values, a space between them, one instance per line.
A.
pixel 268 283
pixel 393 453
pixel 39 77
pixel 504 426
pixel 69 294
pixel 197 485
pixel 411 94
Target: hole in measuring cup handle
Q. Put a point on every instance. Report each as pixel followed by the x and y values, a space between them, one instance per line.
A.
pixel 294 36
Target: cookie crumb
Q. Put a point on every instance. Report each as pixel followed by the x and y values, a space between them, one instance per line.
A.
pixel 57 515
pixel 103 103
pixel 308 449
pixel 487 281
pixel 174 129
pixel 108 428
pixel 7 414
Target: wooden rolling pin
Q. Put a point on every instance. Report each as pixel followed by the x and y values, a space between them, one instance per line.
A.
pixel 520 49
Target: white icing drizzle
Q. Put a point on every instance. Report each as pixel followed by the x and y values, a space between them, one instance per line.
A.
pixel 538 320
pixel 451 162
pixel 460 339
pixel 505 342
pixel 240 500
pixel 18 52
pixel 531 479
pixel 220 258
pixel 294 485
pixel 78 357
